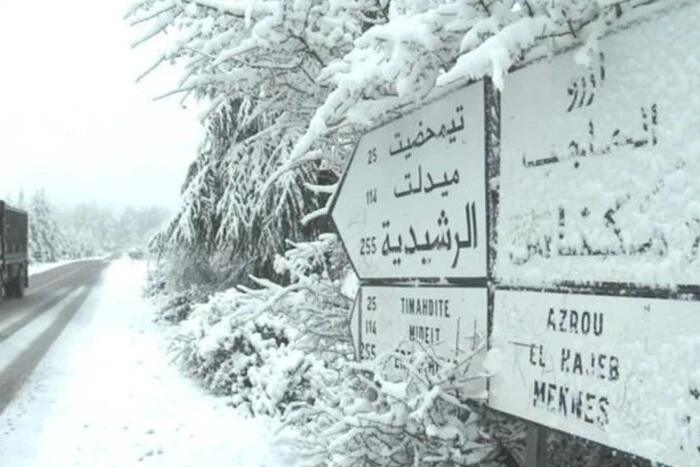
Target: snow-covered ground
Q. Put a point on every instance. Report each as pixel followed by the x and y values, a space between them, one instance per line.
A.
pixel 36 268
pixel 106 395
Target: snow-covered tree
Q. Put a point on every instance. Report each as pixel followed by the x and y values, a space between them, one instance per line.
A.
pixel 225 215
pixel 47 242
pixel 92 229
pixel 258 67
pixel 21 201
pixel 89 228
pixel 314 70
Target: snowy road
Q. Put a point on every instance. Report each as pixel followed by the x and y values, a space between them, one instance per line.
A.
pixel 85 381
pixel 28 327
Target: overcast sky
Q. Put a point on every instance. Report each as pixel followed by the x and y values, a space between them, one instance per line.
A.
pixel 72 118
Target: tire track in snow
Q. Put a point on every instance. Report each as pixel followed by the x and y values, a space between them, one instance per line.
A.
pixel 39 289
pixel 18 370
pixel 18 311
pixel 22 320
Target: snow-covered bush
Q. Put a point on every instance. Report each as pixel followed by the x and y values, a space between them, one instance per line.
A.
pixel 238 348
pixel 317 270
pixel 270 346
pixel 178 306
pixel 174 302
pixel 428 417
pixel 157 281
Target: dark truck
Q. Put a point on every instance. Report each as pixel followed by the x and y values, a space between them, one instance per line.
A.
pixel 14 258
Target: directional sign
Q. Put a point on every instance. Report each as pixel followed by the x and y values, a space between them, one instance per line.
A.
pixel 617 370
pixel 609 192
pixel 450 321
pixel 412 201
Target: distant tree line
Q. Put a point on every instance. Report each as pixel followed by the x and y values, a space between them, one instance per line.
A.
pixel 85 229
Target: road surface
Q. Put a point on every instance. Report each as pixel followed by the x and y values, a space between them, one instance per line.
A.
pixel 29 326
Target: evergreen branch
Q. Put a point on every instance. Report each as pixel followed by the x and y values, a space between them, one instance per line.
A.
pixel 154 32
pixel 173 92
pixel 320 212
pixel 329 189
pixel 151 15
pixel 150 69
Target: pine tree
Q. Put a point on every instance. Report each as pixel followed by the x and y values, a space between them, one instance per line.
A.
pixel 47 243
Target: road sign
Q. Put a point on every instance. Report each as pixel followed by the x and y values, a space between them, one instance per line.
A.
pixel 450 321
pixel 617 370
pixel 608 192
pixel 412 201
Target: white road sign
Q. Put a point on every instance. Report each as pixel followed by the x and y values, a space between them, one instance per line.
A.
pixel 450 321
pixel 412 201
pixel 600 164
pixel 617 370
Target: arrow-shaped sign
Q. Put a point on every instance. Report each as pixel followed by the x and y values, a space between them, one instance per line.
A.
pixel 450 321
pixel 412 201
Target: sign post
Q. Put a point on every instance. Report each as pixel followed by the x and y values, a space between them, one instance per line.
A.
pixel 536 446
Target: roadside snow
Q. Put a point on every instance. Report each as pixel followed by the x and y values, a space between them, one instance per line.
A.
pixel 36 268
pixel 106 395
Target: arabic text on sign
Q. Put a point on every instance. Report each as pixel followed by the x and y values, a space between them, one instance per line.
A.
pixel 577 150
pixel 425 134
pixel 444 240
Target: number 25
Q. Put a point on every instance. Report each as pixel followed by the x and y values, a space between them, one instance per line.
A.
pixel 372 156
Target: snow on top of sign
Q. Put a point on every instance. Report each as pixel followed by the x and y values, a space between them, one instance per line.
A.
pixel 494 56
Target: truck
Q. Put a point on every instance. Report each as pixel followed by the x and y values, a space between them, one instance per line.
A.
pixel 14 255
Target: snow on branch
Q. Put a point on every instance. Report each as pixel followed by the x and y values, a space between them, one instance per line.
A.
pixel 373 419
pixel 320 212
pixel 329 189
pixel 429 44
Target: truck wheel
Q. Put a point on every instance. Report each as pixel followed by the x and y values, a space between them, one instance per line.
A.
pixel 9 289
pixel 19 285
